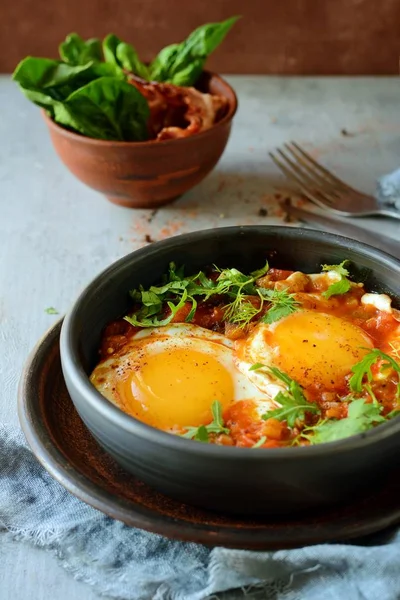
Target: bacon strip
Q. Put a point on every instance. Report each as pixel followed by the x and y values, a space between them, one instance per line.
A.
pixel 177 112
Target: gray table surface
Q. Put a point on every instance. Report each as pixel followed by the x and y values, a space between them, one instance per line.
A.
pixel 57 234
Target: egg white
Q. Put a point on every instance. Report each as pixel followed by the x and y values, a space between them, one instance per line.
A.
pixel 150 342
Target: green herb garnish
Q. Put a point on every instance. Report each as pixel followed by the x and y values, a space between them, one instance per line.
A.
pixel 256 367
pixel 294 404
pixel 361 417
pixel 201 433
pixel 260 442
pixel 283 304
pixel 177 289
pixel 173 292
pixel 239 286
pixel 362 369
pixel 51 311
pixel 341 286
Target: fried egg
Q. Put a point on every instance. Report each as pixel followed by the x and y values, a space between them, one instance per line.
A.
pixel 168 377
pixel 316 349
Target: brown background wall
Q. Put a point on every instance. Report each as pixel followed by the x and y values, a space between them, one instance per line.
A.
pixel 274 36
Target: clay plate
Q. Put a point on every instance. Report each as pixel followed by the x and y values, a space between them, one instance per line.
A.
pixel 68 452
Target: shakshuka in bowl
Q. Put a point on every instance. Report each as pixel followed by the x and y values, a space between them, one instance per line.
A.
pixel 244 369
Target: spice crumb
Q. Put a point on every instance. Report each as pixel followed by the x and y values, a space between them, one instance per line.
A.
pixel 262 212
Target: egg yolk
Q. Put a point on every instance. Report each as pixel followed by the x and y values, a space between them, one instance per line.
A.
pixel 318 349
pixel 174 389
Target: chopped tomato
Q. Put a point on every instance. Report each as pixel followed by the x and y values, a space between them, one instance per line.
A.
pixel 380 326
pixel 182 313
pixel 274 429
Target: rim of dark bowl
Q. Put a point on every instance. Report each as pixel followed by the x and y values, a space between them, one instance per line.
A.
pixel 233 105
pixel 72 362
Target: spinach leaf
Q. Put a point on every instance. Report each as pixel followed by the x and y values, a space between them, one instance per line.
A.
pixel 108 109
pixel 75 51
pixel 128 59
pixel 110 44
pixel 181 64
pixel 48 82
pixel 123 56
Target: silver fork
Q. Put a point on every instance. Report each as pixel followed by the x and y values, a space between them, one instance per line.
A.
pixel 323 188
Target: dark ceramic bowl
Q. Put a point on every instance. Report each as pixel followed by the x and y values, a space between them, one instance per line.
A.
pixel 147 174
pixel 236 480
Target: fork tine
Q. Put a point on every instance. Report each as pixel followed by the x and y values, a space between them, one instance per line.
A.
pixel 328 187
pixel 335 180
pixel 307 179
pixel 311 183
pixel 291 175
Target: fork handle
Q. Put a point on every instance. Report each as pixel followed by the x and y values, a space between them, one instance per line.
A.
pixel 343 227
pixel 387 212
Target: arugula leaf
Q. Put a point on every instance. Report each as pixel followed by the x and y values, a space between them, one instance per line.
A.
pixel 260 272
pixel 260 442
pixel 148 316
pixel 394 413
pixel 362 416
pixel 181 64
pixel 339 269
pixel 217 422
pixel 176 273
pixel 278 374
pixel 362 369
pixel 283 304
pixel 230 282
pixel 192 312
pixel 123 56
pixel 106 108
pixel 361 408
pixel 75 51
pixel 337 430
pixel 256 366
pixel 202 432
pixel 338 288
pixel 290 409
pixel 343 285
pixel 152 301
pixel 293 403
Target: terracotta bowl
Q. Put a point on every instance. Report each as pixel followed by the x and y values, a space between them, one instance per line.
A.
pixel 235 480
pixel 147 174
